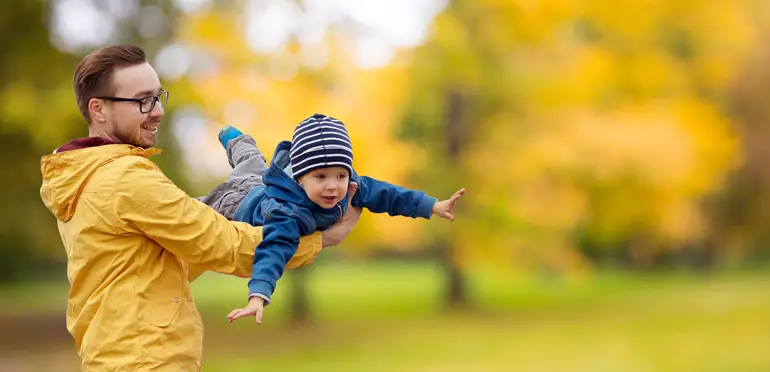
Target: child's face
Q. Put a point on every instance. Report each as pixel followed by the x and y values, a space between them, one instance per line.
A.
pixel 326 186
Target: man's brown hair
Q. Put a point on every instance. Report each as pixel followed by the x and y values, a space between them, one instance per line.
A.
pixel 93 76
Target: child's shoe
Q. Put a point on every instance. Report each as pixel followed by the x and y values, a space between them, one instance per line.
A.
pixel 227 134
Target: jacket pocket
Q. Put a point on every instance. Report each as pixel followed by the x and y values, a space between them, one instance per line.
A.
pixel 161 312
pixel 161 295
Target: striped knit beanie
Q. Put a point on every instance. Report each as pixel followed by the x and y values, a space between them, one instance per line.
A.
pixel 320 141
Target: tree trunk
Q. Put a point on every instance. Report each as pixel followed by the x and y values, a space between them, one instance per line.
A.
pixel 456 293
pixel 299 308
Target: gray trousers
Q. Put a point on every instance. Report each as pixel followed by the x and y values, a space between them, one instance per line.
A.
pixel 249 164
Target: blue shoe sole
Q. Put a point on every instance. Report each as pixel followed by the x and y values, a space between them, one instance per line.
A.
pixel 227 134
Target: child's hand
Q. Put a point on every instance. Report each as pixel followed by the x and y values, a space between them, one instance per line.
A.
pixel 255 307
pixel 444 208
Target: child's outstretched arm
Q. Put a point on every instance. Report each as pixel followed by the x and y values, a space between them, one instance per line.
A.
pixel 281 231
pixel 382 197
pixel 260 290
pixel 444 208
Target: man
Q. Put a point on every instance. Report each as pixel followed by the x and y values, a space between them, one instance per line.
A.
pixel 134 241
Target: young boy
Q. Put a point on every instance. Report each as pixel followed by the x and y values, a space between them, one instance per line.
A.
pixel 303 190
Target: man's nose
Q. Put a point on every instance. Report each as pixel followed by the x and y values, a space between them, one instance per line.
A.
pixel 157 111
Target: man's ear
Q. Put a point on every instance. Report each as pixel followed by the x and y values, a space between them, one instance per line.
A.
pixel 96 110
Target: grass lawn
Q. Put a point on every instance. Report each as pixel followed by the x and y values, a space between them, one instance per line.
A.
pixel 388 317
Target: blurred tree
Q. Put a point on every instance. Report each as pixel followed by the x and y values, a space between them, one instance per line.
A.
pixel 738 216
pixel 455 85
pixel 584 134
pixel 35 107
pixel 37 114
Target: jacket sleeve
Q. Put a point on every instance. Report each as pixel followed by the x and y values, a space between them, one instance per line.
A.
pixel 281 232
pixel 194 232
pixel 382 197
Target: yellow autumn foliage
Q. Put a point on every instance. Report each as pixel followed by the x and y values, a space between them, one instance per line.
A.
pixel 600 118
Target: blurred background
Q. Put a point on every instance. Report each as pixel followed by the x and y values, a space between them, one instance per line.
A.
pixel 617 215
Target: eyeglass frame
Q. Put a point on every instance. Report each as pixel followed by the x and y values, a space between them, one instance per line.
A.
pixel 155 100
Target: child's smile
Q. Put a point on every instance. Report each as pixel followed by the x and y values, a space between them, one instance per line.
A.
pixel 330 200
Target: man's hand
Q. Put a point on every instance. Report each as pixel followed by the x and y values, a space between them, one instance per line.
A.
pixel 444 208
pixel 255 307
pixel 340 230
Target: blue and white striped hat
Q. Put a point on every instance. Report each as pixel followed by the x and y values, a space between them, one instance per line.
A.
pixel 320 141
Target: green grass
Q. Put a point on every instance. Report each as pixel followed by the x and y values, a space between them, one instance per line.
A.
pixel 389 317
pixel 338 292
pixel 33 298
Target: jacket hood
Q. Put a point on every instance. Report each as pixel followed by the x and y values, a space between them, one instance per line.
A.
pixel 68 169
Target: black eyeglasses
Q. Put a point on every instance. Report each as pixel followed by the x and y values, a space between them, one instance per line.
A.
pixel 146 105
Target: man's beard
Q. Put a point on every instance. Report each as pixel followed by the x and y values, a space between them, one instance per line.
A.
pixel 125 136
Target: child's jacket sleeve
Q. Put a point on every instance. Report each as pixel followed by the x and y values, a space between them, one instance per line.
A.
pixel 280 237
pixel 382 197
